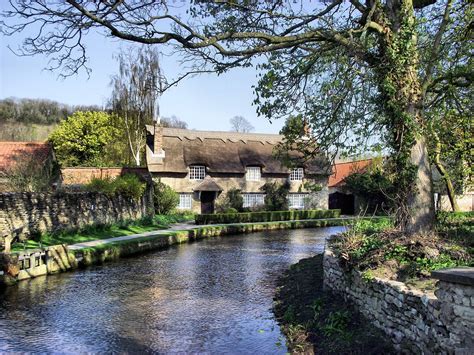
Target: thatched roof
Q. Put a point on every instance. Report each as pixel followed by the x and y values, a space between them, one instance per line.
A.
pixel 221 152
pixel 208 184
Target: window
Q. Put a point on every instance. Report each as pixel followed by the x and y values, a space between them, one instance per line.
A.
pixel 253 173
pixel 296 174
pixel 197 172
pixel 185 201
pixel 296 200
pixel 252 200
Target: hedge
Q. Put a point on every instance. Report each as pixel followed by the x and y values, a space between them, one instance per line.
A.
pixel 270 216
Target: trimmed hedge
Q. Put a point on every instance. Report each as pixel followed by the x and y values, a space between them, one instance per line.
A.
pixel 269 216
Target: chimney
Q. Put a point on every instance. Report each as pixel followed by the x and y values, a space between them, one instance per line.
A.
pixel 158 141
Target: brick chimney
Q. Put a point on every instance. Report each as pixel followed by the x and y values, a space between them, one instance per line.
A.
pixel 158 141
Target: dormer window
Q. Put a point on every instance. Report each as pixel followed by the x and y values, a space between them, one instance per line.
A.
pixel 197 172
pixel 296 174
pixel 253 173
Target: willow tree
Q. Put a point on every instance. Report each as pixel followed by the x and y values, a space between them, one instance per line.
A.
pixel 135 92
pixel 349 67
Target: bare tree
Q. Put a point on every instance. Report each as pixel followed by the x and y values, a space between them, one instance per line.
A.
pixel 241 124
pixel 173 122
pixel 365 67
pixel 135 92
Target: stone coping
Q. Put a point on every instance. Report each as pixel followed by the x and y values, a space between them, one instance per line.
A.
pixel 460 275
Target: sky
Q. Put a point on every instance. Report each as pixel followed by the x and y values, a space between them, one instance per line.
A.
pixel 205 102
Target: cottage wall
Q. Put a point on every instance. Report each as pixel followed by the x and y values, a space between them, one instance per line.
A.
pixel 182 184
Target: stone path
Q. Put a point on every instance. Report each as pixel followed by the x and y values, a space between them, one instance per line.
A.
pixel 175 227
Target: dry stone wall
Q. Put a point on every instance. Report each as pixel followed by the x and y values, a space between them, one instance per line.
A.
pixel 416 322
pixel 26 214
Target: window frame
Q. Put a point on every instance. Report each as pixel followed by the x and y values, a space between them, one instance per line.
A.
pixel 193 175
pixel 184 199
pixel 291 198
pixel 253 199
pixel 297 174
pixel 252 170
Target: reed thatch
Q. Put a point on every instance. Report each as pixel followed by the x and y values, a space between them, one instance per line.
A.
pixel 221 152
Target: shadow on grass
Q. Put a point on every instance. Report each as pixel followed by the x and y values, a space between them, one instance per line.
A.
pixel 316 321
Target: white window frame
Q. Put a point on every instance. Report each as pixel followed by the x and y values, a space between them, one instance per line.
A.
pixel 297 201
pixel 253 173
pixel 253 199
pixel 185 201
pixel 197 172
pixel 297 174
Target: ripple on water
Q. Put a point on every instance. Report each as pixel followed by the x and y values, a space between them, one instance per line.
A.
pixel 211 296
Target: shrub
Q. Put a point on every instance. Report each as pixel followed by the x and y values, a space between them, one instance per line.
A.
pixel 165 198
pixel 276 196
pixel 235 199
pixel 128 185
pixel 269 216
pixel 99 185
pixel 232 201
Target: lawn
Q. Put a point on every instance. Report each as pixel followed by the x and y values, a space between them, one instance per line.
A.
pixel 103 232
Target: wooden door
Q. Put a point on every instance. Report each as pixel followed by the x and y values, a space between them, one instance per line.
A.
pixel 207 201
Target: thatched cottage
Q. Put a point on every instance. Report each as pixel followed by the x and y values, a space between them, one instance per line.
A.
pixel 202 165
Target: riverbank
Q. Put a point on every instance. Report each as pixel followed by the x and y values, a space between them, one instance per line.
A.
pixel 317 321
pixel 32 263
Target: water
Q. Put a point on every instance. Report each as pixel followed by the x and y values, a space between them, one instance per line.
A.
pixel 212 296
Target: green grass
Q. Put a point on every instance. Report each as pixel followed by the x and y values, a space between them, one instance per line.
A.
pixel 102 232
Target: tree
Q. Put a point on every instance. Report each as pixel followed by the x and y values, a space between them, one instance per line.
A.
pixel 351 68
pixel 450 146
pixel 135 92
pixel 240 124
pixel 173 122
pixel 81 139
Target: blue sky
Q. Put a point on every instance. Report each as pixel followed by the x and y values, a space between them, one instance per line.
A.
pixel 205 102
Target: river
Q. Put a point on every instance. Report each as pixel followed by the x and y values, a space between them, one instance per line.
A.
pixel 211 296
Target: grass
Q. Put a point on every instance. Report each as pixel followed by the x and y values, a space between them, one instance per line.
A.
pixel 102 232
pixel 316 321
pixel 380 250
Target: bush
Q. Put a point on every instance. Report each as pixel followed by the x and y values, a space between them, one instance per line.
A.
pixel 276 196
pixel 128 185
pixel 165 198
pixel 232 202
pixel 248 217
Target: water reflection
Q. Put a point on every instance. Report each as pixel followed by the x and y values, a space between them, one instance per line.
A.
pixel 211 296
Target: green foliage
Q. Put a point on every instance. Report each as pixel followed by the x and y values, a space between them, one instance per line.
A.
pixel 368 247
pixel 336 323
pixel 82 138
pixel 233 202
pixel 375 188
pixel 247 217
pixel 165 198
pixel 128 185
pixel 276 196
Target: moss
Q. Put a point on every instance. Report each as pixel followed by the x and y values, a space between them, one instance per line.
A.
pixel 269 216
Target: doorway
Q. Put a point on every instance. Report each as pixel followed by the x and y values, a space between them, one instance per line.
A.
pixel 207 201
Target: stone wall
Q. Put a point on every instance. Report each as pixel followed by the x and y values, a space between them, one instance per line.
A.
pixel 25 214
pixel 416 322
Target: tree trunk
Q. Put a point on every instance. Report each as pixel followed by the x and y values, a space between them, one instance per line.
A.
pixel 420 203
pixel 444 174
